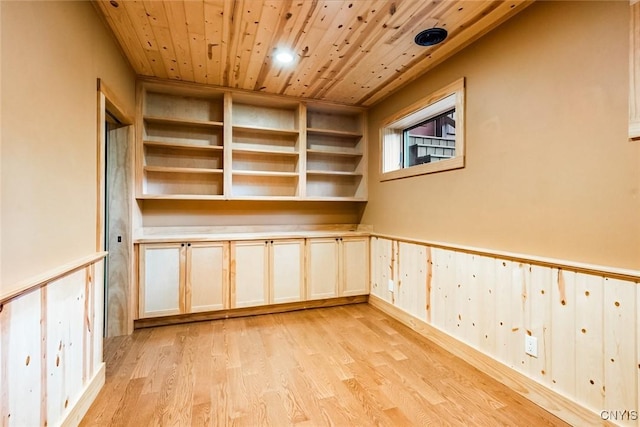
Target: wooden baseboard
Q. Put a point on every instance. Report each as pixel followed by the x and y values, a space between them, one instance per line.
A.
pixel 248 311
pixel 555 403
pixel 82 405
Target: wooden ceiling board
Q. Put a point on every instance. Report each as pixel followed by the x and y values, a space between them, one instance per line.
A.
pixel 193 16
pixel 271 12
pixel 141 26
pixel 334 51
pixel 351 26
pixel 163 39
pixel 295 36
pixel 353 52
pixel 467 35
pixel 394 62
pixel 314 62
pixel 122 27
pixel 367 54
pixel 180 36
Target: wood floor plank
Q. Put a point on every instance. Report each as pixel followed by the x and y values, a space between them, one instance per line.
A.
pixel 336 366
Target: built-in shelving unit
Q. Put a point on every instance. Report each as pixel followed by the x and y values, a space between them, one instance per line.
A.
pixel 200 143
pixel 182 150
pixel 265 148
pixel 336 163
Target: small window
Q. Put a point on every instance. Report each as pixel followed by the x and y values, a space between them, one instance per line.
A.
pixel 426 137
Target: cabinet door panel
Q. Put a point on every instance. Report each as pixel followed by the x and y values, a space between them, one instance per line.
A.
pixel 322 272
pixel 287 270
pixel 207 277
pixel 249 277
pixel 162 280
pixel 355 266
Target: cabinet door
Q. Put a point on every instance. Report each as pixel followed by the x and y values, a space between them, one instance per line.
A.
pixel 207 277
pixel 161 279
pixel 322 268
pixel 355 266
pixel 249 274
pixel 286 270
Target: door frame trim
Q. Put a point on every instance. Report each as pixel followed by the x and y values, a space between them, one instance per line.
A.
pixel 108 101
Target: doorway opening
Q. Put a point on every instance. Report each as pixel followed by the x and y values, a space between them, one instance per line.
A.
pixel 114 210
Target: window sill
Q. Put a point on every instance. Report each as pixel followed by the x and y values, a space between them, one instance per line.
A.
pixel 427 168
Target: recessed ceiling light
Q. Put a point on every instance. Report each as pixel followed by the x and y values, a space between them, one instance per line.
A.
pixel 284 56
pixel 431 36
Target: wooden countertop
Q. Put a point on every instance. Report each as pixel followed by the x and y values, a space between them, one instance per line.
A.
pixel 178 237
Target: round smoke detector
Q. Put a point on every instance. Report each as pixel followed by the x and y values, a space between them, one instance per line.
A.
pixel 431 36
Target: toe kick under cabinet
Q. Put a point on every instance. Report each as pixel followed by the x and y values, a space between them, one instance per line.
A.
pixel 195 277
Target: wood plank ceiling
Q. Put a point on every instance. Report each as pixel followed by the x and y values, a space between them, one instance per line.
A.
pixel 352 52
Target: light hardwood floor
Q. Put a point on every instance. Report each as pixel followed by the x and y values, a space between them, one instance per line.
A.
pixel 343 366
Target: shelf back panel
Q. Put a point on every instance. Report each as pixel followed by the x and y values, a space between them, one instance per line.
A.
pixel 316 162
pixel 263 116
pixel 334 186
pixel 331 121
pixel 329 143
pixel 264 162
pixel 182 134
pixel 256 186
pixel 181 158
pixel 167 183
pixel 258 141
pixel 184 107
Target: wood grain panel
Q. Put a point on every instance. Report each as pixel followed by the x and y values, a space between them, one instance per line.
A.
pixel 620 324
pixel 24 384
pixel 634 71
pixel 51 350
pixel 487 302
pixel 249 274
pixel 539 321
pixel 119 179
pixel 564 305
pixel 585 323
pixel 161 279
pixel 518 305
pixel 65 309
pixel 380 267
pixel 322 268
pixel 348 52
pixel 207 280
pixel 411 275
pixel 287 271
pixel 589 337
pixel 504 291
pixel 440 281
pixel 355 266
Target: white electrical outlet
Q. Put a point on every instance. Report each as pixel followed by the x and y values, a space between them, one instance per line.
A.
pixel 391 285
pixel 531 345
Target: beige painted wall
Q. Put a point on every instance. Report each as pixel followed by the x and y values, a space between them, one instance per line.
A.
pixel 171 213
pixel 549 170
pixel 52 53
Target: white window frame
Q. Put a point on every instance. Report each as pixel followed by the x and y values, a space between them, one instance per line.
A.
pixel 392 128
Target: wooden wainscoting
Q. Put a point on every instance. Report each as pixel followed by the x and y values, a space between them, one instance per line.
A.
pixel 51 364
pixel 585 321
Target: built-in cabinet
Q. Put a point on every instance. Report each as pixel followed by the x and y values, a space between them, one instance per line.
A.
pixel 337 267
pixel 191 277
pixel 179 278
pixel 266 272
pixel 286 273
pixel 198 142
